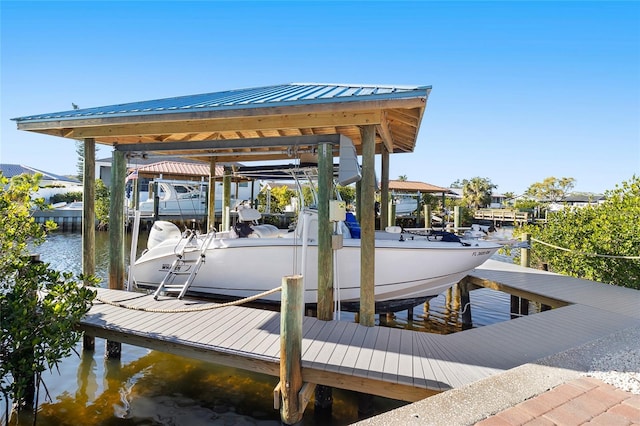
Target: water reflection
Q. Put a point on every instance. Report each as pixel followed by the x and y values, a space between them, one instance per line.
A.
pixel 163 389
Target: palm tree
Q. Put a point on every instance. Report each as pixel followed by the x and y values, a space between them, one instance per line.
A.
pixel 477 192
pixel 402 178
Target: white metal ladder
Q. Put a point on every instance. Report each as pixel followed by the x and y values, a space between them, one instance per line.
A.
pixel 177 269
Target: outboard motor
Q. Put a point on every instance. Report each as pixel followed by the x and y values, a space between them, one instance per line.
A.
pixel 161 231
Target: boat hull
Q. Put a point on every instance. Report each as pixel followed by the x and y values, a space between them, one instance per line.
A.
pixel 409 270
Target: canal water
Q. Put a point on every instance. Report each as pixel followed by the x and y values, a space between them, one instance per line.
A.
pixel 148 387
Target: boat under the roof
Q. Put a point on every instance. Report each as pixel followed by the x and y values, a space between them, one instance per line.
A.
pixel 252 258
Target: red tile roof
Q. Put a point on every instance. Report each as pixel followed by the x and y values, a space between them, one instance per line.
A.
pixel 413 186
pixel 178 168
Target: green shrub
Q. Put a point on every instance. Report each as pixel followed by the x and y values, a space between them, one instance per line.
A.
pixel 39 307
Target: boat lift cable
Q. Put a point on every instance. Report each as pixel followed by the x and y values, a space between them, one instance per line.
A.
pixel 581 253
pixel 197 309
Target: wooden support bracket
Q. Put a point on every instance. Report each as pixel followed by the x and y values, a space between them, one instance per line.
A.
pixel 304 396
pixel 277 395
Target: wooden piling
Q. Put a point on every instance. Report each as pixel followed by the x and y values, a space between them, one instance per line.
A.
pixel 525 252
pixel 418 212
pixel 465 304
pixel 384 190
pixel 427 216
pixel 367 226
pixel 88 221
pixel 291 348
pixel 211 196
pixel 325 229
pixel 514 306
pixel 226 198
pixel 116 234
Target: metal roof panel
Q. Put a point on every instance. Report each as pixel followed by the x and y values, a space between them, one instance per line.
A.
pixel 293 94
pixel 11 170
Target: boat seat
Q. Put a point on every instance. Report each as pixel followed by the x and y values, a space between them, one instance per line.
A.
pixel 265 231
pixel 248 214
pixel 243 229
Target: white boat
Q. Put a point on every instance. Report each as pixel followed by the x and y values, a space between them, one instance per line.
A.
pixel 405 204
pixel 74 205
pixel 251 259
pixel 188 198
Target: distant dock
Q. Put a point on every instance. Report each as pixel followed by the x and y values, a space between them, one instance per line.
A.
pixel 393 363
pixel 503 216
pixel 68 220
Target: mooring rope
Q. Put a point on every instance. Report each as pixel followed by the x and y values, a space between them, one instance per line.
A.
pixel 608 256
pixel 198 309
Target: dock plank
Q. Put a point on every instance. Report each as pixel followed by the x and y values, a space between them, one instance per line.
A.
pixel 343 346
pixel 336 348
pixel 379 353
pixel 261 334
pixel 363 360
pixel 392 358
pixel 319 352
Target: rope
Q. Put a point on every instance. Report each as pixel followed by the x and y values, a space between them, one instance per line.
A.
pixel 608 256
pixel 199 309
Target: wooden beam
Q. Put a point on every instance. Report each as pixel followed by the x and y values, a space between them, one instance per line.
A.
pixel 494 285
pixel 301 110
pixel 385 133
pixel 231 144
pixel 408 117
pixel 397 391
pixel 232 124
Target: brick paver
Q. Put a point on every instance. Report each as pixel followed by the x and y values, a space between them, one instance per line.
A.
pixel 585 401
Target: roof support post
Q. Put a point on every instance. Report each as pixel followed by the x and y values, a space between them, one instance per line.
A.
pixel 88 209
pixel 384 190
pixel 116 221
pixel 367 226
pixel 211 196
pixel 88 221
pixel 325 252
pixel 418 200
pixel 226 198
pixel 358 199
pixel 116 236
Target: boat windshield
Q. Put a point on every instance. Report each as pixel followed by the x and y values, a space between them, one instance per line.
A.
pixel 304 176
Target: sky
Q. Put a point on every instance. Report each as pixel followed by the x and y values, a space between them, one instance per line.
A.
pixel 522 91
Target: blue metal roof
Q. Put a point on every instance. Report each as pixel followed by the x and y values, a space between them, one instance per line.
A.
pixel 293 94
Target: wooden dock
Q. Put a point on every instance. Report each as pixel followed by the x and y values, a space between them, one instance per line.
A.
pixel 393 363
pixel 503 215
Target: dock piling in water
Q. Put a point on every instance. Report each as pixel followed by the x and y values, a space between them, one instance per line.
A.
pixel 291 349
